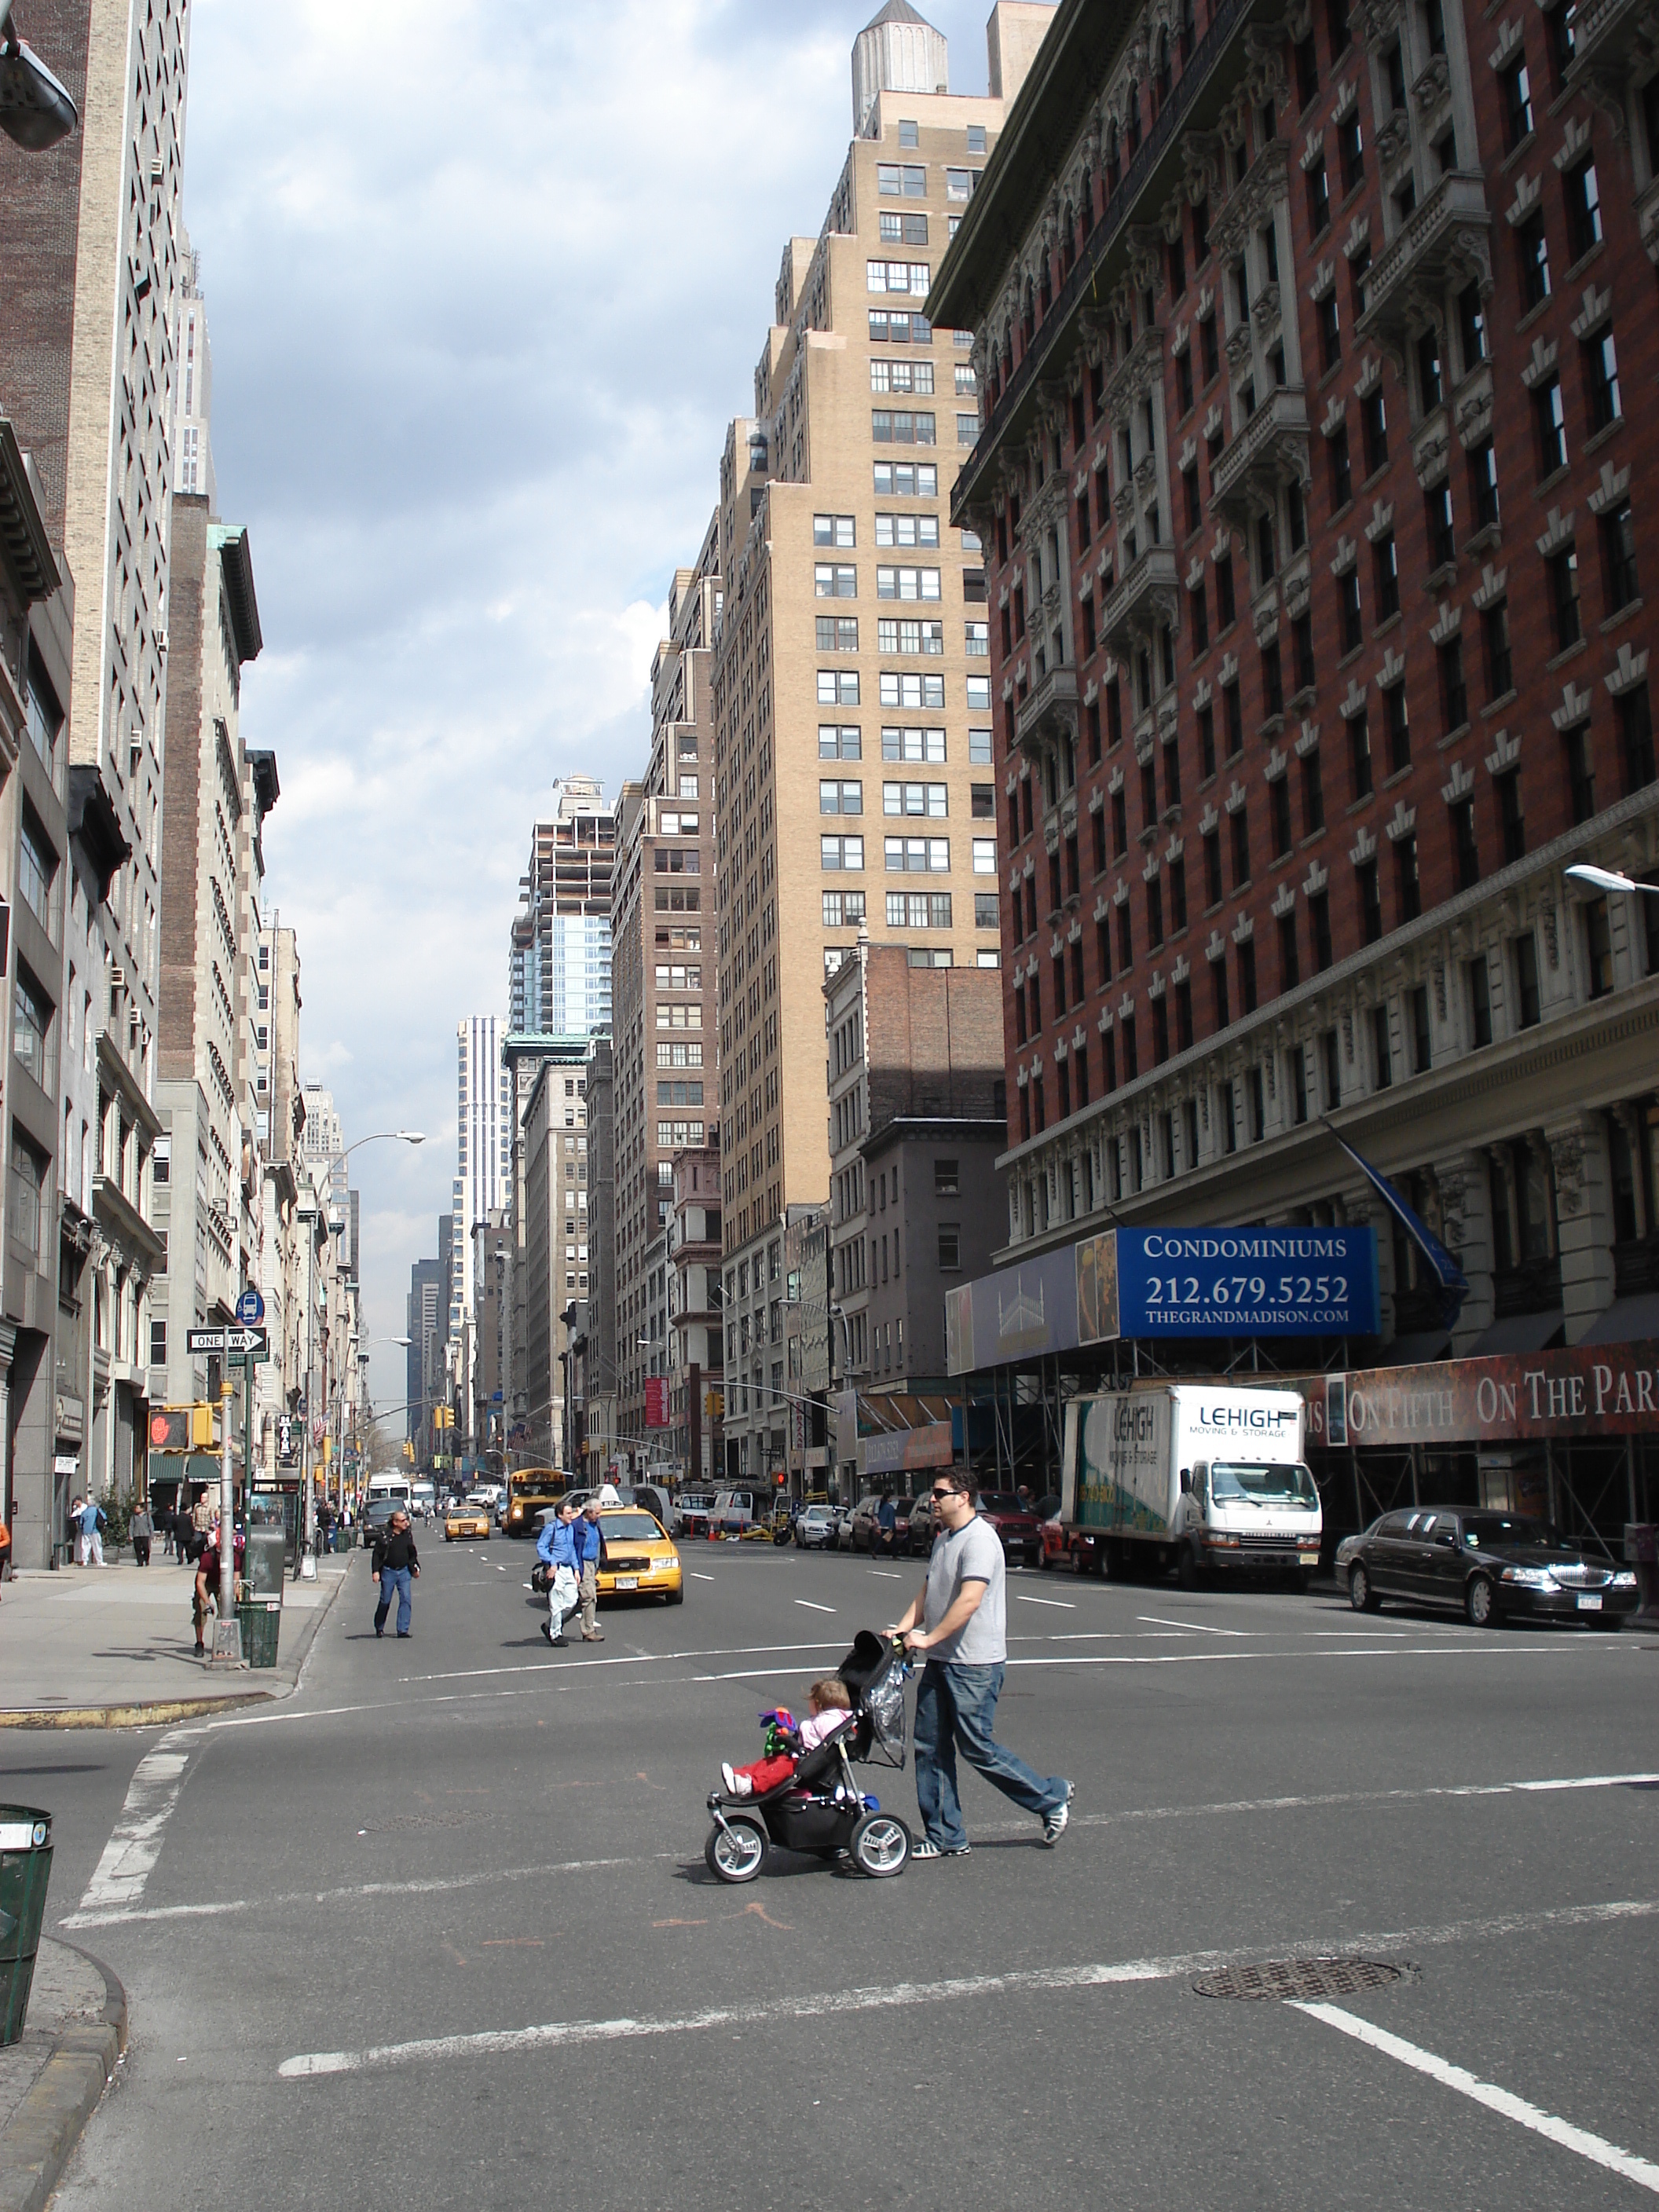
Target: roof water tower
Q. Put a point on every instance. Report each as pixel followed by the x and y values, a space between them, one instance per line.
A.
pixel 897 50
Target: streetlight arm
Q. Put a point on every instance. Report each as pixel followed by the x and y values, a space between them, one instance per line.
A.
pixel 1605 880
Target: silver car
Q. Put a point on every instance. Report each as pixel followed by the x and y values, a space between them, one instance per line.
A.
pixel 815 1527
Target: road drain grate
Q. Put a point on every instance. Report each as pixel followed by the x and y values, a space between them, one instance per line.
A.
pixel 1282 1978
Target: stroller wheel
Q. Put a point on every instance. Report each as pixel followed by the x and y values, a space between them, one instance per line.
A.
pixel 737 1851
pixel 880 1845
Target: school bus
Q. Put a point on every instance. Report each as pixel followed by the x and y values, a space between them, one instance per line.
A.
pixel 528 1492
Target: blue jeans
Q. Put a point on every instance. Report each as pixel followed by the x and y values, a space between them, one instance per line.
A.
pixel 956 1709
pixel 395 1582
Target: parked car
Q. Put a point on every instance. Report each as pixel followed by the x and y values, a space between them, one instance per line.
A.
pixel 814 1527
pixel 1016 1524
pixel 1490 1565
pixel 841 1537
pixel 867 1533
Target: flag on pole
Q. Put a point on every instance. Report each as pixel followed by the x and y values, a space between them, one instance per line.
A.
pixel 1454 1284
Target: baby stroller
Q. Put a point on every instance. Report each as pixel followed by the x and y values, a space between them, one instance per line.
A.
pixel 820 1807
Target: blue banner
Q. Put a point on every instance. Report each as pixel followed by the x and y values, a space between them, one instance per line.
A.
pixel 1247 1282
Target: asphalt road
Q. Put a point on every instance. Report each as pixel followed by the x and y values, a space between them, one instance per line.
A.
pixel 337 1921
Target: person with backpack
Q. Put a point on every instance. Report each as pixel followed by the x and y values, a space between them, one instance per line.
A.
pixel 396 1563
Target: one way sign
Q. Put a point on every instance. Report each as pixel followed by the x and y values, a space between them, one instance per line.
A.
pixel 229 1339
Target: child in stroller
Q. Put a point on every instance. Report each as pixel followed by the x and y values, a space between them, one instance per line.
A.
pixel 788 1741
pixel 817 1807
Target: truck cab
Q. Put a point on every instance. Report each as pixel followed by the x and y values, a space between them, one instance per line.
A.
pixel 1240 1516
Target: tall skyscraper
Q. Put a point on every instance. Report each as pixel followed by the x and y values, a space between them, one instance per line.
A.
pixel 559 971
pixel 666 1098
pixel 852 694
pixel 483 1161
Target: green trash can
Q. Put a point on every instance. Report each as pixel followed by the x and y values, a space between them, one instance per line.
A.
pixel 261 1618
pixel 25 1870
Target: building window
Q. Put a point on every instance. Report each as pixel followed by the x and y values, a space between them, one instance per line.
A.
pixel 840 798
pixel 1532 252
pixel 831 582
pixel 1601 381
pixel 1563 598
pixel 1528 1010
pixel 950 1246
pixel 838 634
pixel 1598 943
pixel 1618 534
pixel 841 910
pixel 1551 417
pixel 1359 756
pixel 1370 902
pixel 839 741
pixel 1385 569
pixel 1636 738
pixel 1465 850
pixel 1495 644
pixel 1422 1040
pixel 1381 1054
pixel 1479 1001
pixel 835 529
pixel 1442 529
pixel 1408 891
pixel 1353 613
pixel 841 853
pixel 1516 85
pixel 1583 209
pixel 1483 486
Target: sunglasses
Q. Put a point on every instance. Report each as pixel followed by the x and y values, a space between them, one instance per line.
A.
pixel 945 1492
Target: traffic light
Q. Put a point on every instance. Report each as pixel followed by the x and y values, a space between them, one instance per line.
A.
pixel 181 1428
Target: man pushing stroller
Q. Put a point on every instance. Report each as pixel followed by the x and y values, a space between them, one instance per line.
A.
pixel 958 1621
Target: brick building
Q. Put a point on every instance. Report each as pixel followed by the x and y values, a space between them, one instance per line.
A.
pixel 1313 345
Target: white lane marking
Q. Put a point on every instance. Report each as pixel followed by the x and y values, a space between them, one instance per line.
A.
pixel 135 1842
pixel 1504 2102
pixel 637 1659
pixel 697 1577
pixel 887 1574
pixel 811 1607
pixel 1199 1628
pixel 1557 1645
pixel 1065 1604
pixel 820 2004
pixel 431 1886
pixel 436 1884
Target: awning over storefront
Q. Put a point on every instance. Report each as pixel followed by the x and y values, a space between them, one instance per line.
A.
pixel 1626 1321
pixel 1592 1393
pixel 1519 1332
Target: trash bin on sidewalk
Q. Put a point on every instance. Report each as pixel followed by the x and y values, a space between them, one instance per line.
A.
pixel 261 1619
pixel 25 1870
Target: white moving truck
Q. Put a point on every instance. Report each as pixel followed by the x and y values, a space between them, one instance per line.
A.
pixel 1203 1478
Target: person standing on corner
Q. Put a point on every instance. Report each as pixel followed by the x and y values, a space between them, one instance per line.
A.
pixel 961 1609
pixel 397 1565
pixel 589 1542
pixel 141 1530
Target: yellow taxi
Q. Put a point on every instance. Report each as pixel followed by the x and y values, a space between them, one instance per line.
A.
pixel 461 1521
pixel 638 1558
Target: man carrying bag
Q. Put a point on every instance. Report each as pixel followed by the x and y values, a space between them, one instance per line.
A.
pixel 555 1547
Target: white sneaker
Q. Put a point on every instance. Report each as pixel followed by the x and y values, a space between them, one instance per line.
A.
pixel 737 1785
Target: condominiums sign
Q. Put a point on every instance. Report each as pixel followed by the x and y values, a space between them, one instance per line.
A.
pixel 1167 1283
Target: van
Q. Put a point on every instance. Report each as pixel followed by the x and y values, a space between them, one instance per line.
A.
pixel 735 1509
pixel 389 1485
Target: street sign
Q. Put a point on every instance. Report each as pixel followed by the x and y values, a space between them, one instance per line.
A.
pixel 229 1339
pixel 250 1308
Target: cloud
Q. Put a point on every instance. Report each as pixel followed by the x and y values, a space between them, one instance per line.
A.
pixel 486 280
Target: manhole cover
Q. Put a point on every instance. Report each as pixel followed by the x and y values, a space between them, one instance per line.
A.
pixel 1282 1978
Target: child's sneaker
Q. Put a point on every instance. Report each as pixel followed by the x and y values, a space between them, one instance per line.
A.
pixel 737 1785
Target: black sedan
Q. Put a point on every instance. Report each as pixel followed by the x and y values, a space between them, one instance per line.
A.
pixel 1491 1565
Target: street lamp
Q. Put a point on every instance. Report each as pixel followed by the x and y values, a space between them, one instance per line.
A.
pixel 1604 880
pixel 35 110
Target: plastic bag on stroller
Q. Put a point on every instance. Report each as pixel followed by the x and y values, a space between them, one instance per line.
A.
pixel 875 1671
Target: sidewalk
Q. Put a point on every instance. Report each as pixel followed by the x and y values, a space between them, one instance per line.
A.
pixel 51 2081
pixel 113 1647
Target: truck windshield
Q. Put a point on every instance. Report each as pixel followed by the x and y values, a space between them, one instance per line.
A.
pixel 1265 1485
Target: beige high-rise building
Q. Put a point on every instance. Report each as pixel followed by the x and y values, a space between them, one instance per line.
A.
pixel 852 677
pixel 662 930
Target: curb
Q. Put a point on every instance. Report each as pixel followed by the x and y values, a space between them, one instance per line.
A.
pixel 163 1711
pixel 36 2146
pixel 141 1714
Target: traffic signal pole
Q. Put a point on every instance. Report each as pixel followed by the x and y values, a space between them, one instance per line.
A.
pixel 227 1634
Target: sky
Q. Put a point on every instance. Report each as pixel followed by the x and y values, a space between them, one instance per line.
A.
pixel 486 283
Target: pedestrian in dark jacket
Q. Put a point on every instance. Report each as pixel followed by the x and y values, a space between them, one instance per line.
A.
pixel 141 1530
pixel 397 1564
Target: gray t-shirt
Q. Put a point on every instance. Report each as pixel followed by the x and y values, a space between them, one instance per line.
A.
pixel 970 1554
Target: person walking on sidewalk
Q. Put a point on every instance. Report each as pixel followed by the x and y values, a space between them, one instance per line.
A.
pixel 589 1542
pixel 555 1547
pixel 961 1610
pixel 397 1564
pixel 141 1530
